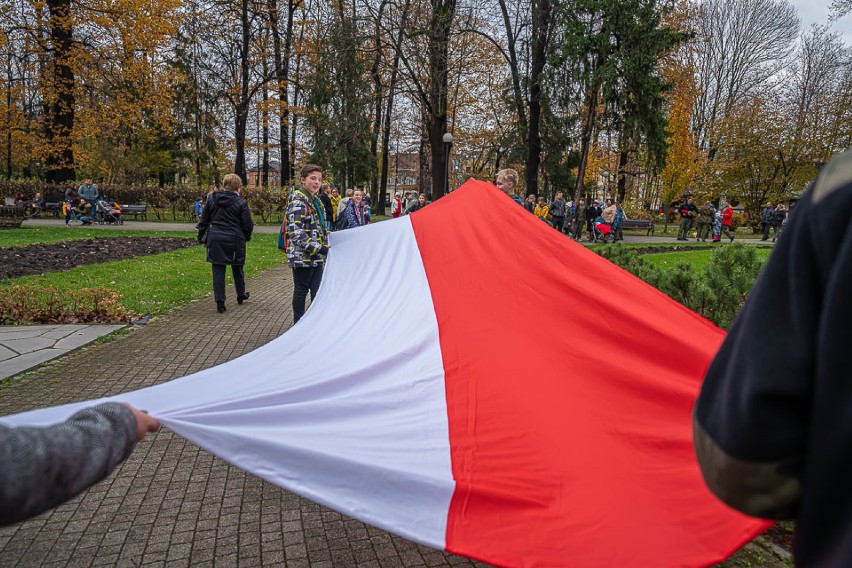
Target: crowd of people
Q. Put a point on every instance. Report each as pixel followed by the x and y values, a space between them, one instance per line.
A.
pixel 772 218
pixel 596 221
pixel 84 204
pixel 312 211
pixel 711 222
pixel 603 220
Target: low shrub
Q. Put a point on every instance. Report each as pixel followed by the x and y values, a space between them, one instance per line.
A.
pixel 717 292
pixel 49 304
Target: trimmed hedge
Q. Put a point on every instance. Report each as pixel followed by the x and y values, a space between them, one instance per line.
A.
pixel 164 203
pixel 717 292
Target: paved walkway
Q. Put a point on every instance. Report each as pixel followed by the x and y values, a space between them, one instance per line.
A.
pixel 25 347
pixel 171 503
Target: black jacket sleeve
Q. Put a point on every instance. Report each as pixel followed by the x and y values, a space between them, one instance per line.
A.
pixel 246 221
pixel 775 400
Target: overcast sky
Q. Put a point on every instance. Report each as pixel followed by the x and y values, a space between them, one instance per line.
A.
pixel 816 12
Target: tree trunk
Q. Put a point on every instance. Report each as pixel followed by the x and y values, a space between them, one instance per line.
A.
pixel 586 137
pixel 517 94
pixel 9 118
pixel 60 120
pixel 296 93
pixel 241 108
pixel 282 69
pixel 379 201
pixel 386 131
pixel 541 14
pixel 443 12
pixel 265 121
pixel 425 178
pixel 622 174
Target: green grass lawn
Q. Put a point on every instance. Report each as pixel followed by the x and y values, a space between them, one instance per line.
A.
pixel 151 285
pixel 698 258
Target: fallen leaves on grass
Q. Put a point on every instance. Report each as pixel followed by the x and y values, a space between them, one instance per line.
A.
pixel 49 304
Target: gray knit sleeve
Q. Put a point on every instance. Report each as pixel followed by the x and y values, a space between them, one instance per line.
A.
pixel 44 467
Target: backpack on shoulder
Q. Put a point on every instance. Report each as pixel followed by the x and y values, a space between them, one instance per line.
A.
pixel 283 241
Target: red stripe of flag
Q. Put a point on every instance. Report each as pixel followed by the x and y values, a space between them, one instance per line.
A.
pixel 569 390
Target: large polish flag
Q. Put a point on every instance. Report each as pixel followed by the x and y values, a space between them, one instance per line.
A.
pixel 530 404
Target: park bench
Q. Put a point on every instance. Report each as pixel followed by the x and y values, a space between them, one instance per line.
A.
pixel 637 225
pixel 52 207
pixel 136 211
pixel 11 216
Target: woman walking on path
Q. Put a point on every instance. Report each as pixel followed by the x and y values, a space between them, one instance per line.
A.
pixel 355 214
pixel 307 238
pixel 224 228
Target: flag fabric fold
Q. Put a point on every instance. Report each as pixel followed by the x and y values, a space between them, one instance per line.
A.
pixel 532 407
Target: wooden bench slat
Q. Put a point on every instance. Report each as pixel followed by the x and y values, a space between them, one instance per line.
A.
pixel 136 211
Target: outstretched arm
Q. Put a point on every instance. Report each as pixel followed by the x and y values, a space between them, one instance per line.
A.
pixel 44 467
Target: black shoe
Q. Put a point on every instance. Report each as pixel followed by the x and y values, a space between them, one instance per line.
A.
pixel 220 307
pixel 244 297
pixel 732 239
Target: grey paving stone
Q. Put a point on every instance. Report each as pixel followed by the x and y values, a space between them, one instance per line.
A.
pixel 6 353
pixel 172 504
pixel 27 361
pixel 28 344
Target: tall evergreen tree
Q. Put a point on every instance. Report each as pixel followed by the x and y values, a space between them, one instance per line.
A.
pixel 338 93
pixel 614 48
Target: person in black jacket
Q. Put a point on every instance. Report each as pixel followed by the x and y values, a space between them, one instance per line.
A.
pixel 779 215
pixel 688 211
pixel 325 199
pixel 224 228
pixel 772 426
pixel 593 211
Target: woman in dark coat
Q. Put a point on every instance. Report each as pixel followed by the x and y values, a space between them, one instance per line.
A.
pixel 226 223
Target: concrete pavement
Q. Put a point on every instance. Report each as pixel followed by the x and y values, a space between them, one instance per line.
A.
pixel 25 347
pixel 171 503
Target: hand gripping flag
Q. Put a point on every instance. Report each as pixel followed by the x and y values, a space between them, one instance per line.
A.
pixel 532 407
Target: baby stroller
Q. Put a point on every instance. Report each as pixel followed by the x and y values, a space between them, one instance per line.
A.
pixel 601 230
pixel 108 213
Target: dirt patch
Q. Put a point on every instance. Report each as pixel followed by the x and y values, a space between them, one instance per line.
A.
pixel 54 257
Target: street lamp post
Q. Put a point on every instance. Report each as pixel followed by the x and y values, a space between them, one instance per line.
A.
pixel 448 143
